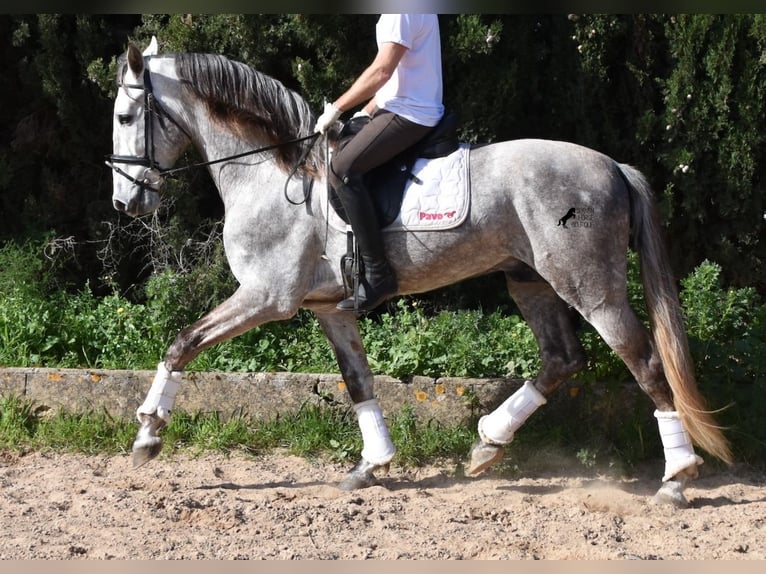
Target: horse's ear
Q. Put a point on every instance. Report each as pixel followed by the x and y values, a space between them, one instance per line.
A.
pixel 151 49
pixel 135 60
pixel 136 57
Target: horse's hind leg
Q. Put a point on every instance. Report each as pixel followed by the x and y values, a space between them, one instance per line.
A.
pixel 562 355
pixel 633 343
pixel 342 331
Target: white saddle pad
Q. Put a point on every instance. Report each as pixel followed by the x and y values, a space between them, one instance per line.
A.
pixel 435 199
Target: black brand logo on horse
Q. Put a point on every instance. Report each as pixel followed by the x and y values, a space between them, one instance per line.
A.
pixel 570 214
pixel 581 216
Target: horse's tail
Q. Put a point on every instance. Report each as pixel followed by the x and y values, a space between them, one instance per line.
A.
pixel 667 321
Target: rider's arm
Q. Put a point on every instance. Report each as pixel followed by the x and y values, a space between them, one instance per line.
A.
pixel 373 78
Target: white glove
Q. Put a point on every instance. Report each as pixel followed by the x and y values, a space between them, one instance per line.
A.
pixel 328 118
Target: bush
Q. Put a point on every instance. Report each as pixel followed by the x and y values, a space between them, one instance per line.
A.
pixel 462 343
pixel 25 313
pixel 727 337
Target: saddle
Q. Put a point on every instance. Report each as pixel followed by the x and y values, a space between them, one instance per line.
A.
pixel 386 184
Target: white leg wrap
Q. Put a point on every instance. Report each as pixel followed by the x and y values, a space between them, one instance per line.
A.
pixel 162 393
pixel 378 448
pixel 498 426
pixel 679 452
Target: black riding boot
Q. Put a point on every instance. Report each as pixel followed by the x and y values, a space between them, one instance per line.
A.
pixel 379 281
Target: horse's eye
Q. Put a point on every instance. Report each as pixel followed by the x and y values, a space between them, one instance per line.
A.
pixel 123 119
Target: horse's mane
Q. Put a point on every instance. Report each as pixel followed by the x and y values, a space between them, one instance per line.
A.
pixel 251 104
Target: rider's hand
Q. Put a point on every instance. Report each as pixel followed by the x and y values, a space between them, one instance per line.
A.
pixel 328 118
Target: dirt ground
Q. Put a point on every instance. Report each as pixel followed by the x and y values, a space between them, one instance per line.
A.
pixel 277 506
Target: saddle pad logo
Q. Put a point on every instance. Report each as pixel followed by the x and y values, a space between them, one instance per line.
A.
pixel 437 197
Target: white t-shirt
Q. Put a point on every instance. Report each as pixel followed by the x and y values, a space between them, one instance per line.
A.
pixel 414 91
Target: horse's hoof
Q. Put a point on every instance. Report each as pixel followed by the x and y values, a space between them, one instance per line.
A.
pixel 147 444
pixel 483 455
pixel 361 476
pixel 671 492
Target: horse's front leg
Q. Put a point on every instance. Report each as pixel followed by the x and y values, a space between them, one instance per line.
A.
pixel 235 316
pixel 342 331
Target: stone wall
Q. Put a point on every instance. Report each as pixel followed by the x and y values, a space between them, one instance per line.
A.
pixel 256 395
pixel 261 396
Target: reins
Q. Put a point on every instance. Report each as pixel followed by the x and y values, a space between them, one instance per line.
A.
pixel 173 171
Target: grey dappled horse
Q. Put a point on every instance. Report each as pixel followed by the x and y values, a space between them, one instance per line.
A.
pixel 285 255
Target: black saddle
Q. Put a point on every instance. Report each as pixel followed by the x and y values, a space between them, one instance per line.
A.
pixel 386 183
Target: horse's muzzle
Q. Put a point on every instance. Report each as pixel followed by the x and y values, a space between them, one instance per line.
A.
pixel 145 200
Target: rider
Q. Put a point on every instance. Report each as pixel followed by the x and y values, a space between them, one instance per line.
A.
pixel 404 87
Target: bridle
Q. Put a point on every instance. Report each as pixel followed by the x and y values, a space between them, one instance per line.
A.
pixel 154 174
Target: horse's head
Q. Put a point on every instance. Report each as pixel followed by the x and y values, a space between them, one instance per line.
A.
pixel 143 147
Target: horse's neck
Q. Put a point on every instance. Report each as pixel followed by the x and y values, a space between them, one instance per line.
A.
pixel 254 180
pixel 208 138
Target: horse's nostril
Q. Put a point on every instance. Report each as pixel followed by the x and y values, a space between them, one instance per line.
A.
pixel 118 205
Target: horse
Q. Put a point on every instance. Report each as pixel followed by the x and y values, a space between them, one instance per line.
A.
pixel 256 136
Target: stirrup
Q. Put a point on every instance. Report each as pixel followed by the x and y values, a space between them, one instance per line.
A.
pixel 358 305
pixel 373 284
